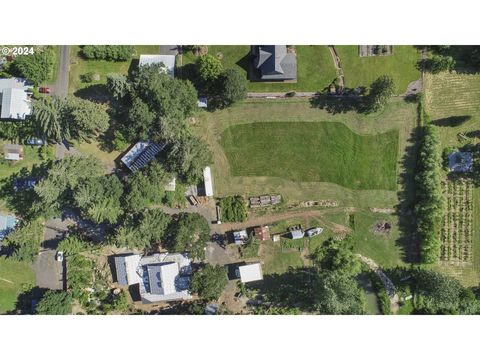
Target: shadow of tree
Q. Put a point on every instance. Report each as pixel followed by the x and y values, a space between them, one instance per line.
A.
pixel 336 104
pixel 97 92
pixel 452 121
pixel 26 300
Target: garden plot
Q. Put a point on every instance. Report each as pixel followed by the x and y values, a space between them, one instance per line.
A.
pixel 457 230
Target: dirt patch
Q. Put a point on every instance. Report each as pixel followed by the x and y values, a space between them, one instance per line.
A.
pixel 324 203
pixel 382 227
pixel 219 55
pixel 382 210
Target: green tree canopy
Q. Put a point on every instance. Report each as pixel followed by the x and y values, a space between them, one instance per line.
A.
pixel 437 63
pixel 337 255
pixel 232 88
pixel 24 242
pixel 209 68
pixel 438 293
pixel 55 303
pixel 209 282
pixel 381 90
pixel 143 230
pixel 118 85
pixel 49 120
pixel 86 119
pixel 188 232
pixel 35 67
pixel 98 199
pixel 108 52
pixel 188 157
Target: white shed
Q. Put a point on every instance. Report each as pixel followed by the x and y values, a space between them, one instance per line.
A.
pixel 250 272
pixel 207 178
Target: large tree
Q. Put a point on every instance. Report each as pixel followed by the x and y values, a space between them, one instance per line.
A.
pixel 381 90
pixel 35 67
pixel 209 282
pixel 118 85
pixel 55 303
pixel 49 121
pixel 98 198
pixel 140 121
pixel 188 157
pixel 337 255
pixel 232 87
pixel 337 294
pixel 86 119
pixel 188 232
pixel 437 63
pixel 142 230
pixel 24 242
pixel 209 68
pixel 63 177
pixel 146 187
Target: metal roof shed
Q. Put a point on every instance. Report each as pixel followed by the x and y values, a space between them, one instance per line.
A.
pixel 250 272
pixel 15 104
pixel 207 177
pixel 297 234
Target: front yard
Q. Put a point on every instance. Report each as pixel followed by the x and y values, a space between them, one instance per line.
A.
pixel 14 277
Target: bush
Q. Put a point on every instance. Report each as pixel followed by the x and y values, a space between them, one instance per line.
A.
pixel 119 143
pixel 437 64
pixel 87 77
pixel 55 303
pixel 108 52
pixel 234 209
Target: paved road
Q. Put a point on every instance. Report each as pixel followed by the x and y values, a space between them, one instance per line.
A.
pixel 60 87
pixel 168 49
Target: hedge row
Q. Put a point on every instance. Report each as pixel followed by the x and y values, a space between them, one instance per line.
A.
pixel 108 52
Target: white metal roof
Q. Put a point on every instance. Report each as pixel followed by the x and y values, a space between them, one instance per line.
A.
pixel 13 83
pixel 167 60
pixel 250 272
pixel 207 177
pixel 15 104
pixel 131 264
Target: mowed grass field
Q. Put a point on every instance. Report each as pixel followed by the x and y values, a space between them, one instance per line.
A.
pixel 398 117
pixel 13 275
pixel 362 71
pixel 451 96
pixel 313 152
pixel 315 68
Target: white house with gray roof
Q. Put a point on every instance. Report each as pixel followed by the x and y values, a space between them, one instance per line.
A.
pixel 14 101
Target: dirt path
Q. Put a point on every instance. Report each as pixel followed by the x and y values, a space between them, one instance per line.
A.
pixel 8 281
pixel 338 66
pixel 272 218
pixel 387 283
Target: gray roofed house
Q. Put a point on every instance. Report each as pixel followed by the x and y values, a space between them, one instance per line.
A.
pixel 274 62
pixel 14 100
pixel 121 270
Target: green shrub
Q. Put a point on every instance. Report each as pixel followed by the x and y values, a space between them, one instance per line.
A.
pixel 234 209
pixel 87 77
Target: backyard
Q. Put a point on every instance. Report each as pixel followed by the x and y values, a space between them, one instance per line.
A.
pixel 80 66
pixel 362 71
pixel 14 276
pixel 31 157
pixel 315 69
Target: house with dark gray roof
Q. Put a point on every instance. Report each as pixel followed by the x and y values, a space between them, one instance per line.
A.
pixel 274 62
pixel 141 154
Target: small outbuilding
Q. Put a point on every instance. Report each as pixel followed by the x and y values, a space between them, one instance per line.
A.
pixel 262 233
pixel 171 186
pixel 207 179
pixel 13 152
pixel 240 237
pixel 250 272
pixel 7 224
pixel 297 234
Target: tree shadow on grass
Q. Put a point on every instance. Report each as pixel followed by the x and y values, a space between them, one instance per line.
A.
pixel 452 121
pixel 98 93
pixel 336 104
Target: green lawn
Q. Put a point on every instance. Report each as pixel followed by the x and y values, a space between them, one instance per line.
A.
pixel 313 152
pixel 362 71
pixel 80 66
pixel 94 148
pixel 276 261
pixel 315 69
pixel 13 275
pixel 31 157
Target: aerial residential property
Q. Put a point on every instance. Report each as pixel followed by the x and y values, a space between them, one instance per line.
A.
pixel 241 179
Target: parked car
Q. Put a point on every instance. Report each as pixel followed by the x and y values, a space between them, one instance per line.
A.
pixel 35 141
pixel 44 90
pixel 314 231
pixel 59 256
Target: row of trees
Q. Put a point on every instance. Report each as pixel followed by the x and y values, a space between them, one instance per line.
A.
pixel 430 205
pixel 108 52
